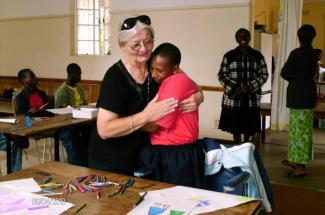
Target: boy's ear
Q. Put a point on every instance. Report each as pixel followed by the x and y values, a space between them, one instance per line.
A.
pixel 175 68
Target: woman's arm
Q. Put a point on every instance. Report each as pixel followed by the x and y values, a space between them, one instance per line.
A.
pixel 109 124
pixel 193 102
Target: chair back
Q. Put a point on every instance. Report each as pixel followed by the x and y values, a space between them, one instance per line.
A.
pixel 14 102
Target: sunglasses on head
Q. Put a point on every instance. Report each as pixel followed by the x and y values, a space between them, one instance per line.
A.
pixel 129 23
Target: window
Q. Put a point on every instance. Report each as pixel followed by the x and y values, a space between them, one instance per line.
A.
pixel 92 32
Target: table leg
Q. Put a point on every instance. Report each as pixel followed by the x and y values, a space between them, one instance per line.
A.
pixel 318 96
pixel 56 148
pixel 263 128
pixel 8 137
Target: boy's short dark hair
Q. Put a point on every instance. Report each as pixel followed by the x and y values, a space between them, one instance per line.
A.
pixel 306 33
pixel 22 74
pixel 169 51
pixel 242 30
pixel 73 68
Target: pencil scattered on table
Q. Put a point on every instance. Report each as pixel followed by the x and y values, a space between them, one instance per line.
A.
pixel 46 180
pixel 80 207
pixel 146 186
pixel 83 184
pixel 140 199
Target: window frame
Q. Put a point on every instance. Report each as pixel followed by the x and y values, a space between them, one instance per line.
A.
pixel 99 39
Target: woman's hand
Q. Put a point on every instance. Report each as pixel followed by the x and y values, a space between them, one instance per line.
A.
pixel 192 103
pixel 157 110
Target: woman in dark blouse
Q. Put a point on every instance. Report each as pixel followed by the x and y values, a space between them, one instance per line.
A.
pixel 126 102
pixel 300 71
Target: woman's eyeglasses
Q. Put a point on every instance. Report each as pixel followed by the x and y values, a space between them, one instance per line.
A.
pixel 130 22
pixel 137 45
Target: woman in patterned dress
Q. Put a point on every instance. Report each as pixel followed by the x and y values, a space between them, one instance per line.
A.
pixel 300 70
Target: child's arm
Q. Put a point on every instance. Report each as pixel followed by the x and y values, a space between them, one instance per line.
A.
pixel 150 127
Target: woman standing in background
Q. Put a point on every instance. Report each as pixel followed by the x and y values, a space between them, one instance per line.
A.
pixel 242 73
pixel 300 71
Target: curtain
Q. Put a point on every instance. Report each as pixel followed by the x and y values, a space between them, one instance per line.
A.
pixel 289 23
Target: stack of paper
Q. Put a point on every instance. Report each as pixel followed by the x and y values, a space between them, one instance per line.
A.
pixel 85 113
pixel 16 198
pixel 12 120
pixel 60 111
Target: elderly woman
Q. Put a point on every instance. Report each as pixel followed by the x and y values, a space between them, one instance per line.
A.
pixel 126 102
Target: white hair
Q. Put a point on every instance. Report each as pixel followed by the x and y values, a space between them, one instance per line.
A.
pixel 125 35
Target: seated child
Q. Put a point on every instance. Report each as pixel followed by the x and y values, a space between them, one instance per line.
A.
pixel 31 98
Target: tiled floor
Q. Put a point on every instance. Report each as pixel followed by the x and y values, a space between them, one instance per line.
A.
pixel 30 155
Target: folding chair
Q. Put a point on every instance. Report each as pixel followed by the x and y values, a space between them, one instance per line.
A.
pixel 236 169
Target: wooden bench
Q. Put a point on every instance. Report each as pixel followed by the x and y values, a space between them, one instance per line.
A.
pixel 50 85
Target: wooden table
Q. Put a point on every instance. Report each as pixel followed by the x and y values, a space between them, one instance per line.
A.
pixel 265 110
pixel 319 85
pixel 118 204
pixel 53 123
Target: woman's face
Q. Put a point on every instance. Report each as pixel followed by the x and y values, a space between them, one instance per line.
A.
pixel 139 47
pixel 243 38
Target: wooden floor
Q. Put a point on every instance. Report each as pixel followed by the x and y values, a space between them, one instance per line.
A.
pixel 292 196
pixel 300 195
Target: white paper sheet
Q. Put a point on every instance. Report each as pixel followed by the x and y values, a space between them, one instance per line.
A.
pixel 27 184
pixel 11 120
pixel 60 111
pixel 16 202
pixel 186 199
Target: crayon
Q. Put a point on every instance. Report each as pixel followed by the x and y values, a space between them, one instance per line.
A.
pixel 140 199
pixel 51 194
pixel 146 186
pixel 47 191
pixel 72 187
pixel 38 207
pixel 81 178
pixel 47 179
pixel 129 183
pixel 80 188
pixel 80 207
pixel 92 187
pixel 104 184
pixel 116 192
pixel 87 188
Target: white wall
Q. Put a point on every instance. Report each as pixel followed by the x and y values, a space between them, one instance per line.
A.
pixel 203 33
pixel 120 5
pixel 23 8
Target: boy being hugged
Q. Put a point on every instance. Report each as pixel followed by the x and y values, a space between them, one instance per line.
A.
pixel 174 155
